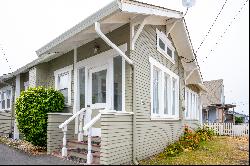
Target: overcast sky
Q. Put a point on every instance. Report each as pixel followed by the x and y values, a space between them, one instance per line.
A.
pixel 27 25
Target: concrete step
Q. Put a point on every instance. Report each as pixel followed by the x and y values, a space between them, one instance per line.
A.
pixel 74 154
pixel 83 145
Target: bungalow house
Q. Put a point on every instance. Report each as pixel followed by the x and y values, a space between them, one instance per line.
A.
pixel 214 109
pixel 130 81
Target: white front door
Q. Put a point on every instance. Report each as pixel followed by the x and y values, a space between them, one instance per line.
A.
pixel 98 94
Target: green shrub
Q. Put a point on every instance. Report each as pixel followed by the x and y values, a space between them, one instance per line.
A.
pixel 31 112
pixel 239 119
pixel 190 139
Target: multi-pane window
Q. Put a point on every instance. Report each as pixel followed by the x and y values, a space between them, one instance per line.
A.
pixel 192 105
pixel 164 92
pixel 63 83
pixel 5 99
pixel 164 46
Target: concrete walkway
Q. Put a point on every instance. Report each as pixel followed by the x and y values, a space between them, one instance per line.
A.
pixel 11 156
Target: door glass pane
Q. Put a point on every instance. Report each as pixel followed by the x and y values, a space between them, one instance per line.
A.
pixel 99 87
pixel 82 87
pixel 155 91
pixel 118 83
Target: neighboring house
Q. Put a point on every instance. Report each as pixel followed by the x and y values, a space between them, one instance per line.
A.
pixel 214 109
pixel 231 115
pixel 129 58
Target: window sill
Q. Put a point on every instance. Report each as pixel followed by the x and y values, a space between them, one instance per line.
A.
pixel 165 119
pixel 5 110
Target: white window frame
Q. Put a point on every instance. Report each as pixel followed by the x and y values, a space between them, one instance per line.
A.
pixel 26 85
pixel 191 106
pixel 4 90
pixel 168 44
pixel 67 69
pixel 164 70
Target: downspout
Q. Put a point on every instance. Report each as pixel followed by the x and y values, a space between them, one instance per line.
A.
pixel 112 45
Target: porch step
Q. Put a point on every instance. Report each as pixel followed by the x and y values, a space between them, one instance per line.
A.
pixel 81 157
pixel 77 151
pixel 83 145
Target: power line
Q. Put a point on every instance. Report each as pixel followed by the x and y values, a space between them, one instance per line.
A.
pixel 215 20
pixel 5 57
pixel 227 28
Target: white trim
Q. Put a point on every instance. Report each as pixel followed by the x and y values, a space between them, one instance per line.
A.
pixel 162 70
pixel 140 8
pixel 168 44
pixel 76 92
pixel 123 84
pixel 138 32
pixel 64 70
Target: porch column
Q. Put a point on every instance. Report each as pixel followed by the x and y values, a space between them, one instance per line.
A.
pixel 76 88
pixel 17 94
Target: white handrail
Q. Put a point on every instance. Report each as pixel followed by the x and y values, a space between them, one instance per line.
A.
pixel 92 122
pixel 72 118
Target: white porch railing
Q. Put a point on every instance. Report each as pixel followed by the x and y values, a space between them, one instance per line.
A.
pixel 229 129
pixel 88 127
pixel 63 126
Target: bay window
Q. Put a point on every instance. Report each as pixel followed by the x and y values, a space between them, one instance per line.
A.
pixel 164 92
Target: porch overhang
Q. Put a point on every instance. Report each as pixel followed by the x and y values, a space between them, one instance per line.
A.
pixel 111 17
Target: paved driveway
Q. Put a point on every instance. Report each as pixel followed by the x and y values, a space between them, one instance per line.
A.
pixel 10 156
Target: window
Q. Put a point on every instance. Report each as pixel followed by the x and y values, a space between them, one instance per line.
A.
pixel 192 105
pixel 164 92
pixel 118 85
pixel 63 83
pixel 156 90
pixel 165 46
pixel 26 85
pixel 5 98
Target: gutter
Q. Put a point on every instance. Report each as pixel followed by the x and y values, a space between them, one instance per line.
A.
pixel 112 45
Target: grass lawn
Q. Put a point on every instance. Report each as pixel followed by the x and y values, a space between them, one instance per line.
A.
pixel 221 150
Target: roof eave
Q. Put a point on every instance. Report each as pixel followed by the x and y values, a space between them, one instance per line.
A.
pixel 102 13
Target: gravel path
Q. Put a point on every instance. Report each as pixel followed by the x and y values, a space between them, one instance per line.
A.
pixel 10 156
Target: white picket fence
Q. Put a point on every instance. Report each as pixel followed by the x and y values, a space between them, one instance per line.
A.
pixel 229 129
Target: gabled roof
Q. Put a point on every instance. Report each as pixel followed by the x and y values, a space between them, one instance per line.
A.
pixel 214 92
pixel 111 17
